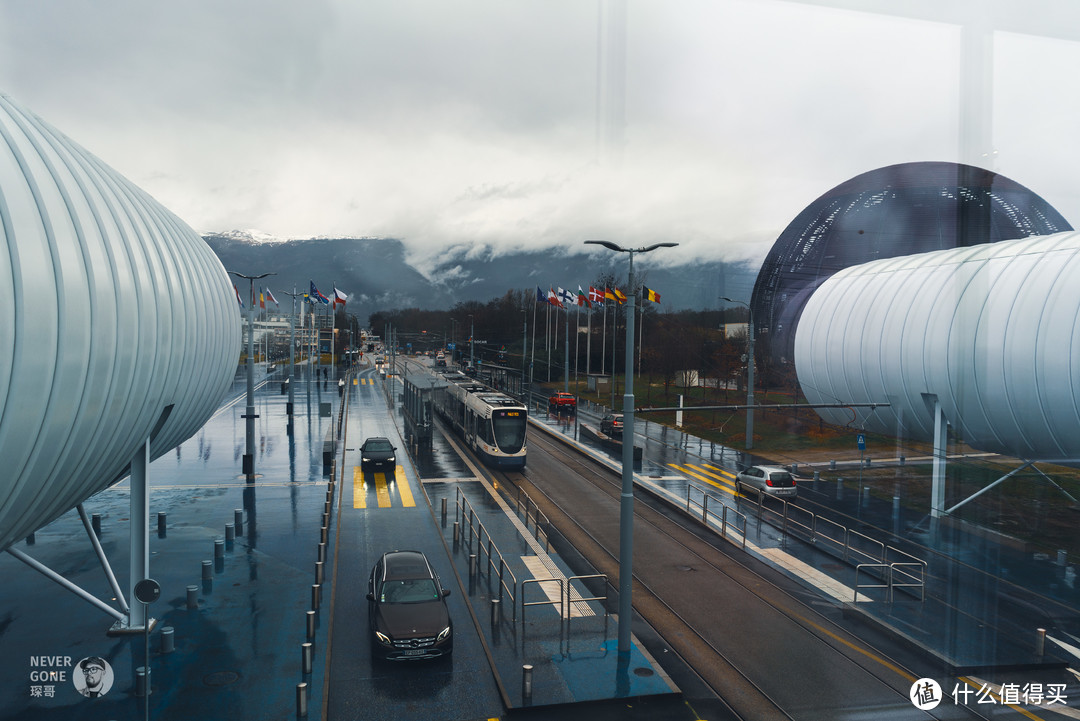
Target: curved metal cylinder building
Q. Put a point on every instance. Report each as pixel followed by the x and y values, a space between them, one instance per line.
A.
pixel 118 324
pixel 992 332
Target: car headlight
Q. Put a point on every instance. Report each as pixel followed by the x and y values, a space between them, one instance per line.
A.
pixel 391 460
pixel 364 460
pixel 443 634
pixel 383 638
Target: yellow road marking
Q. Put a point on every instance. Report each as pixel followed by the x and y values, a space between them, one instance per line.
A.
pixel 730 483
pixel 355 381
pixel 700 477
pixel 382 491
pixel 359 492
pixel 403 487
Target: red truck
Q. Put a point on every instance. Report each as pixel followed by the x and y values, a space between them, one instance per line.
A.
pixel 562 403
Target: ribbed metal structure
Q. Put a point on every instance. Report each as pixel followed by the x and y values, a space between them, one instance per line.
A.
pixel 117 324
pixel 896 210
pixel 993 331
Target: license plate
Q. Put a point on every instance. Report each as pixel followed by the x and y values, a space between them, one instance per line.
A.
pixel 414 652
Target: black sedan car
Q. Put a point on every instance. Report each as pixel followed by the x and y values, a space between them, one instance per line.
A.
pixel 377 452
pixel 407 609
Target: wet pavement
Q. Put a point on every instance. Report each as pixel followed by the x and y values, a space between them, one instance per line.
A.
pixel 984 597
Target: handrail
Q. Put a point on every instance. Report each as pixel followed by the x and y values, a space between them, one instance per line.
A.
pixel 548 602
pixel 886 585
pixel 569 613
pixel 918 581
pixel 706 511
pixel 479 531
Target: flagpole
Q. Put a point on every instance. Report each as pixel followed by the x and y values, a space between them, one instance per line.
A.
pixel 603 344
pixel 566 354
pixel 614 338
pixel 532 358
pixel 577 339
pixel 547 341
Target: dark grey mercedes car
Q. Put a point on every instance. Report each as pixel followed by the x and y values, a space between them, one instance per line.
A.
pixel 407 609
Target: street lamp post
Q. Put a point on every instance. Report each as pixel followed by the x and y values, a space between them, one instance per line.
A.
pixel 249 414
pixel 749 374
pixel 626 501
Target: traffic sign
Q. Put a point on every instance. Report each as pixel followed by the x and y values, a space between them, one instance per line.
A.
pixel 861 439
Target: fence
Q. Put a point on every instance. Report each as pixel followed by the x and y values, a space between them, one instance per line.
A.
pixel 474 529
pixel 707 513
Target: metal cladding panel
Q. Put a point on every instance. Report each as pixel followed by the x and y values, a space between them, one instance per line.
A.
pixel 991 331
pixel 116 319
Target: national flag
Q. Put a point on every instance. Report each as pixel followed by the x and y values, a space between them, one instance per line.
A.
pixel 339 297
pixel 238 299
pixel 262 299
pixel 567 297
pixel 596 296
pixel 650 294
pixel 553 299
pixel 307 298
pixel 317 296
pixel 619 295
pixel 608 295
pixel 540 297
pixel 271 297
pixel 581 299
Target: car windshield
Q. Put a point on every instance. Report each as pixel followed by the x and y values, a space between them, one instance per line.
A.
pixel 378 445
pixel 409 590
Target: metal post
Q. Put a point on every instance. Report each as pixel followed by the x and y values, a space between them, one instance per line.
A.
pixel 238 520
pixel 306 657
pixel 494 611
pixel 316 596
pixel 168 639
pixel 310 621
pixel 230 532
pixel 161 524
pixel 301 700
pixel 139 560
pixel 207 570
pixel 527 680
pixel 192 597
pixel 626 510
pixel 1040 641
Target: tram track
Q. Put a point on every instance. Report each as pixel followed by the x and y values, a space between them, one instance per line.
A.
pixel 671 549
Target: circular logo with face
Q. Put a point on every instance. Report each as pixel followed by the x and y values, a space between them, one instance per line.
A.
pixel 93 677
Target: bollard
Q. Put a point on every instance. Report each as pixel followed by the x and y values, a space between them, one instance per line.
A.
pixel 865 496
pixel 310 617
pixel 323 535
pixel 161 523
pixel 142 681
pixel 457 531
pixel 832 465
pixel 301 700
pixel 1040 641
pixel 238 520
pixel 1062 557
pixel 326 519
pixel 219 548
pixel 168 641
pixel 472 564
pixel 444 510
pixel 307 653
pixel 230 532
pixel 95 523
pixel 192 597
pixel 794 468
pixel 322 552
pixel 207 570
pixel 839 488
pixel 866 462
pixel 494 611
pixel 902 460
pixel 526 680
pixel 316 594
pixel 318 572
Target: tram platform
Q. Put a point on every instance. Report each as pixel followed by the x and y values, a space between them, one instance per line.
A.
pixel 968 601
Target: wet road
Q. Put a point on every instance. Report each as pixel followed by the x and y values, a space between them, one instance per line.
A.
pixel 380 511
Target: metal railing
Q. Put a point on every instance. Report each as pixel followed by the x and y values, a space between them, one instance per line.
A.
pixel 533 514
pixel 584 599
pixel 546 602
pixel 475 529
pixel 849 545
pixel 889 573
pixel 693 506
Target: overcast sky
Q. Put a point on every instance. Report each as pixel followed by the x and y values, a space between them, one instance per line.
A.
pixel 473 123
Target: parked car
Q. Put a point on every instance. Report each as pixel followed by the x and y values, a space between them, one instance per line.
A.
pixel 407 611
pixel 611 424
pixel 562 402
pixel 773 480
pixel 377 452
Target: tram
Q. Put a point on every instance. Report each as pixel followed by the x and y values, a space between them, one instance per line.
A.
pixel 491 423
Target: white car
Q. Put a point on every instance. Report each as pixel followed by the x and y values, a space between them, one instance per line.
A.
pixel 772 480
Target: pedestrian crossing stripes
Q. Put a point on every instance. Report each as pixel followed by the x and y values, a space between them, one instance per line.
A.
pixel 386 489
pixel 724 480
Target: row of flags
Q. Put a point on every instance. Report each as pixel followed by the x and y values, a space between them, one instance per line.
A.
pixel 566 297
pixel 314 296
